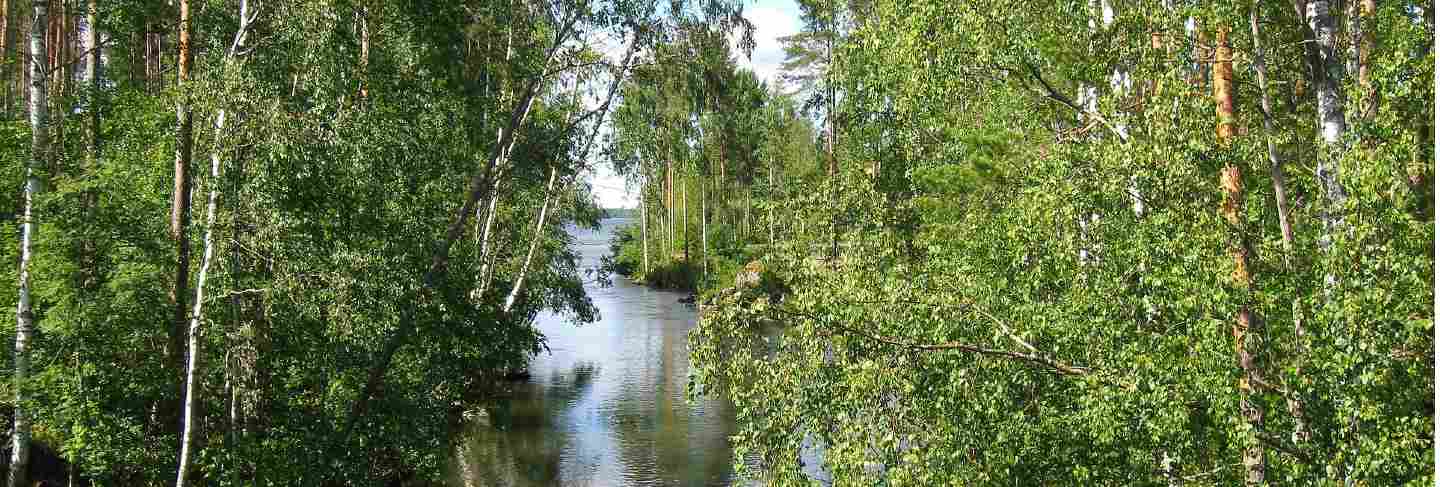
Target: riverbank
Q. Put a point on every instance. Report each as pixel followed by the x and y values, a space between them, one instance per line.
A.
pixel 698 273
pixel 673 276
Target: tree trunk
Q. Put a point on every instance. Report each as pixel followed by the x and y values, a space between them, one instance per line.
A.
pixel 22 57
pixel 137 53
pixel 833 136
pixel 91 82
pixel 1362 46
pixel 478 186
pixel 1246 327
pixel 58 77
pixel 92 79
pixel 34 185
pixel 188 421
pixel 486 234
pixel 685 220
pixel 535 239
pixel 584 152
pixel 746 225
pixel 153 41
pixel 438 262
pixel 669 247
pixel 704 236
pixel 180 210
pixel 364 14
pixel 833 170
pixel 770 215
pixel 487 231
pixel 1326 69
pixel 188 426
pixel 1327 74
pixel 1277 171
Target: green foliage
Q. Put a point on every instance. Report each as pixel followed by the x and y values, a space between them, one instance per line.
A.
pixel 1000 290
pixel 353 130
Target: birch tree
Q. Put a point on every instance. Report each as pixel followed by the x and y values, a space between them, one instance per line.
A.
pixel 34 185
pixel 1326 72
pixel 197 316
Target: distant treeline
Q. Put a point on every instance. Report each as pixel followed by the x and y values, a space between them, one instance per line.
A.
pixel 620 213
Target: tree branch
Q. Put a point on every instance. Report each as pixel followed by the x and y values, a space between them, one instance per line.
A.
pixel 1032 358
pixel 1052 94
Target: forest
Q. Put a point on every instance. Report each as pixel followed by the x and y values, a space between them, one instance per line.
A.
pixel 1057 243
pixel 294 242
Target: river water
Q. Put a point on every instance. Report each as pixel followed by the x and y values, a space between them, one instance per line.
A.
pixel 607 405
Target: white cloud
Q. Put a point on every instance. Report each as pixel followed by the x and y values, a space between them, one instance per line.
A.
pixel 773 19
pixel 608 188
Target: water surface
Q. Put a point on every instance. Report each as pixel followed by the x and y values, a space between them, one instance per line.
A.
pixel 607 405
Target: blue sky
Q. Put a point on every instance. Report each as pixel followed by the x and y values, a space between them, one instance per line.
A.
pixel 773 19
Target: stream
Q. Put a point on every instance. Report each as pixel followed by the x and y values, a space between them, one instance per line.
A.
pixel 607 405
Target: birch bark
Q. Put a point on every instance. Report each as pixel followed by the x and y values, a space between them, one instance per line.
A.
pixel 6 46
pixel 535 239
pixel 704 235
pixel 188 426
pixel 479 185
pixel 24 315
pixel 644 234
pixel 1331 110
pixel 550 194
pixel 92 80
pixel 187 434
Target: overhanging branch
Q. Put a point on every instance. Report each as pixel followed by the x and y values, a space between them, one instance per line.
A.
pixel 1033 358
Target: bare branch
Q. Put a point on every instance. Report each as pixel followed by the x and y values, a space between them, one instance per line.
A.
pixel 1032 358
pixel 1052 94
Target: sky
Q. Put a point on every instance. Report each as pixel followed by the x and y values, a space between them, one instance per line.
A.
pixel 773 19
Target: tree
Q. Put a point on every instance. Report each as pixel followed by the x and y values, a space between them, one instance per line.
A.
pixel 973 344
pixel 188 424
pixel 180 213
pixel 34 186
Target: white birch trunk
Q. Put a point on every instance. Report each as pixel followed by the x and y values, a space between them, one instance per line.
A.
pixel 746 225
pixel 1301 432
pixel 24 315
pixel 1327 90
pixel 187 433
pixel 485 238
pixel 1331 111
pixel 478 187
pixel 771 214
pixel 669 247
pixel 534 244
pixel 549 189
pixel 684 220
pixel 487 231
